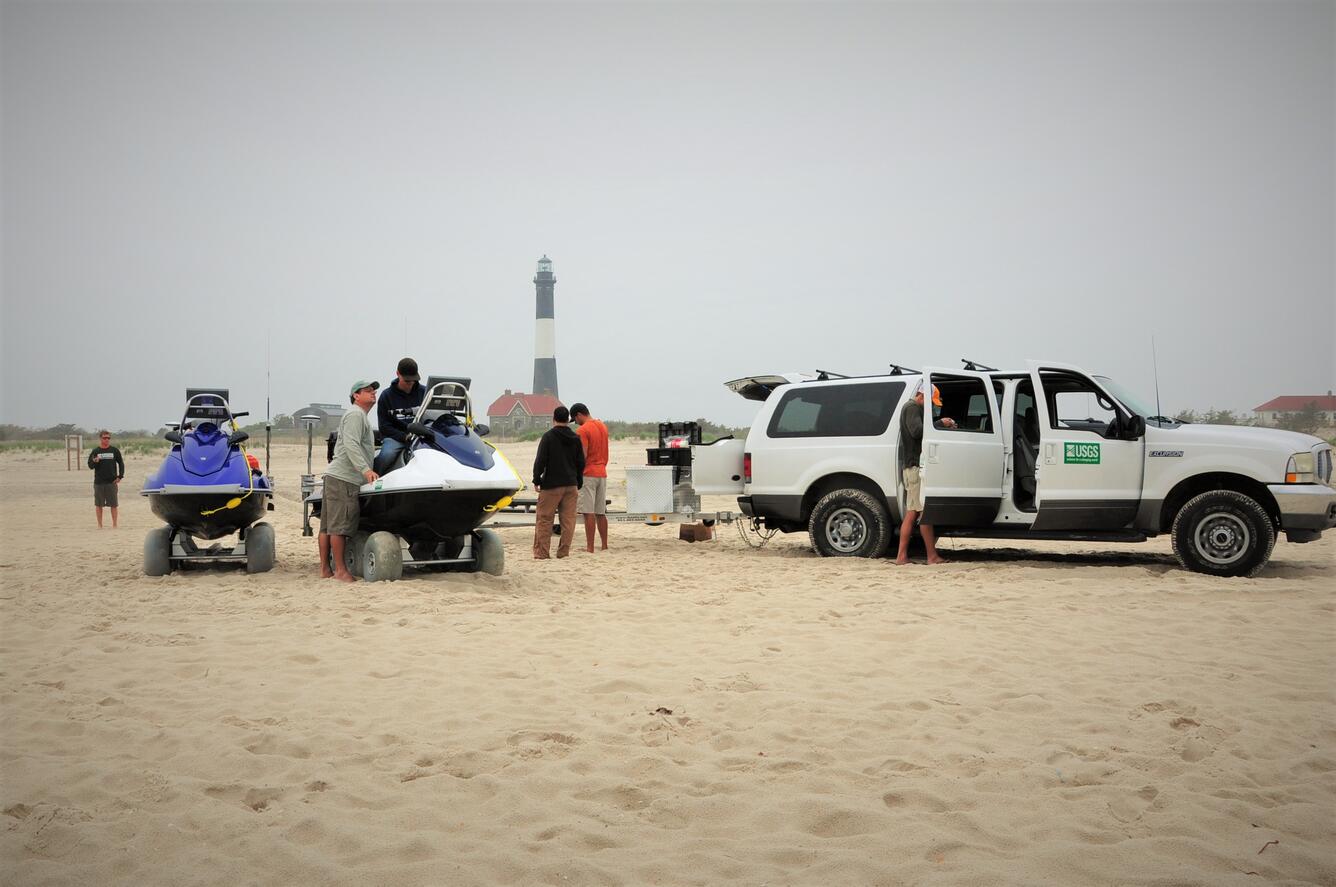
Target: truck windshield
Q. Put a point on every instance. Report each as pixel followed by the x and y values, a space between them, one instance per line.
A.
pixel 1128 400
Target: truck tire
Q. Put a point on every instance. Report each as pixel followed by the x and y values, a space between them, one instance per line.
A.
pixel 260 548
pixel 849 523
pixel 382 558
pixel 1223 533
pixel 158 552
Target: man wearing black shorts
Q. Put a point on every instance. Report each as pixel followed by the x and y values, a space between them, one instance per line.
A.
pixel 108 469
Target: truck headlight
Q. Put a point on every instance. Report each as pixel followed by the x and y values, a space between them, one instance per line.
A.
pixel 1299 470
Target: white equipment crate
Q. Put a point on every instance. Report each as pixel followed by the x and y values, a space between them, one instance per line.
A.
pixel 649 489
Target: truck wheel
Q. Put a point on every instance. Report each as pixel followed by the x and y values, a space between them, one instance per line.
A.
pixel 260 548
pixel 488 555
pixel 382 558
pixel 849 523
pixel 1223 533
pixel 158 552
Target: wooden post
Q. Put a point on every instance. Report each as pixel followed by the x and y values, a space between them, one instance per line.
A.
pixel 74 444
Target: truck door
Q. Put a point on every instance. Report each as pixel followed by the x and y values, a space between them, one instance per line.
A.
pixel 962 466
pixel 1088 474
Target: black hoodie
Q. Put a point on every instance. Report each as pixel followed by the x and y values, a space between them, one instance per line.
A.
pixel 560 461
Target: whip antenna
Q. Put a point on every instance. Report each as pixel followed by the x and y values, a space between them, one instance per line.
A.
pixel 1155 368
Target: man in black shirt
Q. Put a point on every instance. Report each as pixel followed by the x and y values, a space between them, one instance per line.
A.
pixel 108 469
pixel 397 405
pixel 558 474
pixel 911 438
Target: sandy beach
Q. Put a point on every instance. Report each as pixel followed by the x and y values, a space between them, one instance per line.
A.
pixel 660 713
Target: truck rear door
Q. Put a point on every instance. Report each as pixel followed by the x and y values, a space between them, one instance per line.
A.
pixel 962 466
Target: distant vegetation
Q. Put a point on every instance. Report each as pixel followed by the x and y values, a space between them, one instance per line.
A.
pixel 133 442
pixel 1309 420
pixel 1214 417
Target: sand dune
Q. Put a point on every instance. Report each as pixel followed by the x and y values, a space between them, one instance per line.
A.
pixel 662 713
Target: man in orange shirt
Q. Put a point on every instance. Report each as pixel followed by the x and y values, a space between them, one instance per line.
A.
pixel 593 503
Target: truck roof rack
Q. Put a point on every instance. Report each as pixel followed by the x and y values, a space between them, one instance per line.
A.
pixel 897 370
pixel 974 367
pixel 824 375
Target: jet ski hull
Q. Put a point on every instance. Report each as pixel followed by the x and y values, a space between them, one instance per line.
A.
pixel 427 514
pixel 184 511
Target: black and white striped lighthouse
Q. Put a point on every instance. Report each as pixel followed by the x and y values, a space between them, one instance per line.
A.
pixel 545 332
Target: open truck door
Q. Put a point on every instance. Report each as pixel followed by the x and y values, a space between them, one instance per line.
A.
pixel 1091 452
pixel 962 467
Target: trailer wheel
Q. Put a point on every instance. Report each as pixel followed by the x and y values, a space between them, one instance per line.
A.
pixel 488 554
pixel 260 548
pixel 382 558
pixel 158 552
pixel 354 548
pixel 1223 533
pixel 849 523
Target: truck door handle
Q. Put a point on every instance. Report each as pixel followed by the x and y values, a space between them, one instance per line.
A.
pixel 932 452
pixel 1048 453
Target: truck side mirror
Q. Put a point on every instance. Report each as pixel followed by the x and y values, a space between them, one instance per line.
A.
pixel 1136 428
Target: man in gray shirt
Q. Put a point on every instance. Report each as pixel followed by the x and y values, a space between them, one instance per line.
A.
pixel 354 450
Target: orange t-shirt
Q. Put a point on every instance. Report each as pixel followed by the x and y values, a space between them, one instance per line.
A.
pixel 594 436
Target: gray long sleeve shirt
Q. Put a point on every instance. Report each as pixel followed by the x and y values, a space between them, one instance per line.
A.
pixel 354 450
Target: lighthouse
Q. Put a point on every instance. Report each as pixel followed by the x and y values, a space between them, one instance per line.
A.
pixel 545 332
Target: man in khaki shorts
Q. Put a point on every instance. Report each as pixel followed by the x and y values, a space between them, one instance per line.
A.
pixel 354 452
pixel 593 501
pixel 911 439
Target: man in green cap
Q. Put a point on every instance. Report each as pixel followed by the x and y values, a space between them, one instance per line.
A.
pixel 354 450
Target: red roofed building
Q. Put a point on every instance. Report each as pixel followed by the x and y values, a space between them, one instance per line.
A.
pixel 514 413
pixel 1269 412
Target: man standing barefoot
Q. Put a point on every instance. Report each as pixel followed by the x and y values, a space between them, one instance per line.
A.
pixel 911 438
pixel 354 451
pixel 593 500
pixel 108 470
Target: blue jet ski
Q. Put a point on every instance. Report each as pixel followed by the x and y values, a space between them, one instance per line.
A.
pixel 207 488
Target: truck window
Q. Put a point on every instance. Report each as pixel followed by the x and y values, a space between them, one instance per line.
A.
pixel 966 401
pixel 836 410
pixel 1074 404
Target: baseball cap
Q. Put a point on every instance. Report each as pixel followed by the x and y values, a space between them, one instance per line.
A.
pixel 408 369
pixel 936 394
pixel 363 383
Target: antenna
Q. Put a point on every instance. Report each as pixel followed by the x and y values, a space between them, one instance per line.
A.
pixel 1155 364
pixel 268 426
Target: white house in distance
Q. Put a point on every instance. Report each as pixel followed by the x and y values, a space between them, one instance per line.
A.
pixel 1269 412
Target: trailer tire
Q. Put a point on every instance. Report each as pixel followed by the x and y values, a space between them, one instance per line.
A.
pixel 488 554
pixel 353 549
pixel 260 548
pixel 1223 533
pixel 158 552
pixel 849 523
pixel 382 558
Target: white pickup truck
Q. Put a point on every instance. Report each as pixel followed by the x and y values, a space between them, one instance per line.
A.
pixel 1047 452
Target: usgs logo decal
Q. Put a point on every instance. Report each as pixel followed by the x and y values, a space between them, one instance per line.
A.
pixel 1080 453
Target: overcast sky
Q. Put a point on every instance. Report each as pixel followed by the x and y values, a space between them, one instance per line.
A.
pixel 194 193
